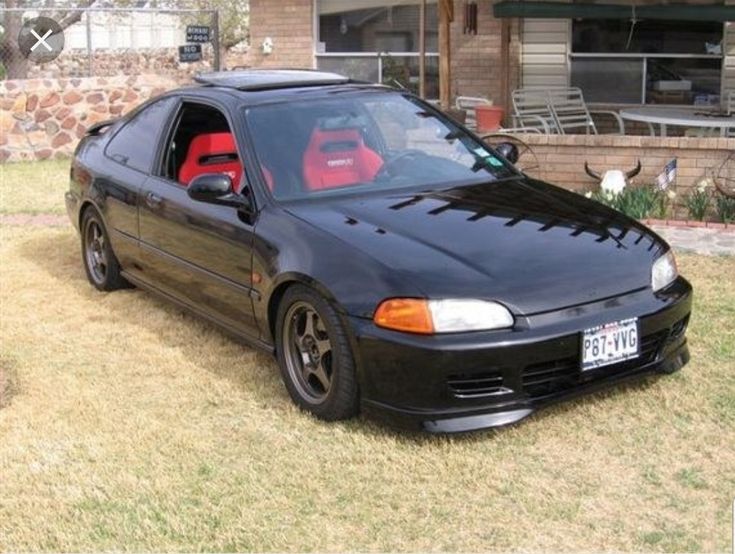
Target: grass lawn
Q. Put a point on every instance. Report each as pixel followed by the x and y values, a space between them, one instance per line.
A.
pixel 135 427
pixel 34 187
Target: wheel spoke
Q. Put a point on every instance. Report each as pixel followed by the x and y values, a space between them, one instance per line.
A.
pixel 322 376
pixel 309 327
pixel 324 346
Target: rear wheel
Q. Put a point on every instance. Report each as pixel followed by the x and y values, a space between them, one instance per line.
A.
pixel 100 263
pixel 314 355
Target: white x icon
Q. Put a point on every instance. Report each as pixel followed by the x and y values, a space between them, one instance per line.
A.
pixel 41 40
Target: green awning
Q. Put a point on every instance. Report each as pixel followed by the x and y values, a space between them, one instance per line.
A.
pixel 559 10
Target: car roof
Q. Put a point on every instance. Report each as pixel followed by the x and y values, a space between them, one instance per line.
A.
pixel 269 79
pixel 261 86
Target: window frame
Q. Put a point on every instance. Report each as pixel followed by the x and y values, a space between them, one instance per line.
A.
pixel 378 55
pixel 159 171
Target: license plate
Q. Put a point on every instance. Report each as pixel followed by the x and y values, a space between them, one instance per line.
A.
pixel 610 343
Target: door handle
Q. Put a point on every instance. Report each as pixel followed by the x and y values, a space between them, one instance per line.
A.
pixel 153 200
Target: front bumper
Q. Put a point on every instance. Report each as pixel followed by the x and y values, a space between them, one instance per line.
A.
pixel 469 381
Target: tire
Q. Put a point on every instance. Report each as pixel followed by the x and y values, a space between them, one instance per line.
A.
pixel 316 361
pixel 100 263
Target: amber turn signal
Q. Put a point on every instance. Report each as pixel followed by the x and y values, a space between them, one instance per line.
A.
pixel 405 314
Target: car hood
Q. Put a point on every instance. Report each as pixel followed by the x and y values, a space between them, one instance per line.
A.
pixel 522 242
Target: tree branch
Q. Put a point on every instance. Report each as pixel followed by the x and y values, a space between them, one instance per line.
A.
pixel 66 19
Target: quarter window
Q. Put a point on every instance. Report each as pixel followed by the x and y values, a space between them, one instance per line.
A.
pixel 136 144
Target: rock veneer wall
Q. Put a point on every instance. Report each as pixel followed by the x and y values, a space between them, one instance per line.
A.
pixel 44 118
pixel 129 61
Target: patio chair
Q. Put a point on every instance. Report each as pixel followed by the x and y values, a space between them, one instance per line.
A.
pixel 531 110
pixel 468 103
pixel 570 112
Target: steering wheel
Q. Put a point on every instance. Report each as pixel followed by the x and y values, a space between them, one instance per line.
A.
pixel 390 164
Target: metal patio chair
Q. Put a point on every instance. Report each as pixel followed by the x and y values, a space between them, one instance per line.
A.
pixel 468 104
pixel 571 113
pixel 531 110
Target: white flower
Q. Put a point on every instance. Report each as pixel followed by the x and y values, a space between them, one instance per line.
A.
pixel 588 194
pixel 671 195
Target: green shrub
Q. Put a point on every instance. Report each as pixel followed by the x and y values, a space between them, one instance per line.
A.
pixel 636 202
pixel 697 203
pixel 725 208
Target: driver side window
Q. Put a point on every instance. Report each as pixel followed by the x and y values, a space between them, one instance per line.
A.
pixel 201 142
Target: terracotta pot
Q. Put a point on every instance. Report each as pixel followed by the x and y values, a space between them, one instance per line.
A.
pixel 488 118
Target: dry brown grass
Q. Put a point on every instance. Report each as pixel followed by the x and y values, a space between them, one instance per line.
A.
pixel 139 428
pixel 34 187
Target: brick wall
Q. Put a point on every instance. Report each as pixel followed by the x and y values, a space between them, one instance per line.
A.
pixel 562 158
pixel 44 118
pixel 290 24
pixel 476 58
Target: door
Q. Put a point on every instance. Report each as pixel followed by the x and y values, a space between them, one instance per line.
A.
pixel 131 153
pixel 199 253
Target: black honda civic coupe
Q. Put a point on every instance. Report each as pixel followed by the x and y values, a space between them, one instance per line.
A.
pixel 392 261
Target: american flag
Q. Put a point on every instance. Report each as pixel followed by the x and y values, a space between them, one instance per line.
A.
pixel 667 176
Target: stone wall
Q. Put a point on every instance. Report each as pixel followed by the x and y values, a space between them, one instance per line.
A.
pixel 124 61
pixel 44 118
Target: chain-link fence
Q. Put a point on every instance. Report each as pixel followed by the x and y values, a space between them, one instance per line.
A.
pixel 108 42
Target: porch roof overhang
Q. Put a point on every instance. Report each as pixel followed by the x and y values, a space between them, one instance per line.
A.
pixel 559 10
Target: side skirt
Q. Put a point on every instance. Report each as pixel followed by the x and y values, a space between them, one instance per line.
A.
pixel 244 339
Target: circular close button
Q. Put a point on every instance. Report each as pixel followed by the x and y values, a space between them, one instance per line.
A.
pixel 41 39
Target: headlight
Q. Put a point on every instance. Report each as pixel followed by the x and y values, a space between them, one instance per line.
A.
pixel 664 271
pixel 416 315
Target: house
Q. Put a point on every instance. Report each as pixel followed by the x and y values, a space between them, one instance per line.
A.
pixel 621 53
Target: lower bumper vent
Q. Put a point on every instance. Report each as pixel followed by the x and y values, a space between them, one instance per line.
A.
pixel 476 385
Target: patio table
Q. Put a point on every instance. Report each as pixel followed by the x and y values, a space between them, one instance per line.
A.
pixel 681 117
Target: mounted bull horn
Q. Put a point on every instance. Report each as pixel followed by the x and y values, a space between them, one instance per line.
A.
pixel 633 172
pixel 591 173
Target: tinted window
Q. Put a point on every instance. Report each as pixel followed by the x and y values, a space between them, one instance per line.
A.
pixel 136 144
pixel 371 141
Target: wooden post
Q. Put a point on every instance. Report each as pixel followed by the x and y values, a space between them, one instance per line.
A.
pixel 445 73
pixel 505 63
pixel 422 49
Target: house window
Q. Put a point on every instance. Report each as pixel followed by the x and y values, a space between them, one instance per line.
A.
pixel 649 62
pixel 378 40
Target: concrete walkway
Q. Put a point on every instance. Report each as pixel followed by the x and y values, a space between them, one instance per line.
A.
pixel 710 242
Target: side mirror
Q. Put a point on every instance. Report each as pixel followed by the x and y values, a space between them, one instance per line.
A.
pixel 214 188
pixel 508 150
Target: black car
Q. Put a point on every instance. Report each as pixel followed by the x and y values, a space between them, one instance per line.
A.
pixel 391 260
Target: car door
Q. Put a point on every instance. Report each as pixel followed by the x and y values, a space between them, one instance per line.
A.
pixel 130 156
pixel 198 253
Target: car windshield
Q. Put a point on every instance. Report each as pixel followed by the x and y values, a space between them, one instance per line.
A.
pixel 365 141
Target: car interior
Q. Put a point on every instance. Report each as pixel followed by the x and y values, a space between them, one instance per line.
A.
pixel 202 142
pixel 330 152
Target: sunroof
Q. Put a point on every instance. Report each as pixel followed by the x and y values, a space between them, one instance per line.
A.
pixel 262 79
